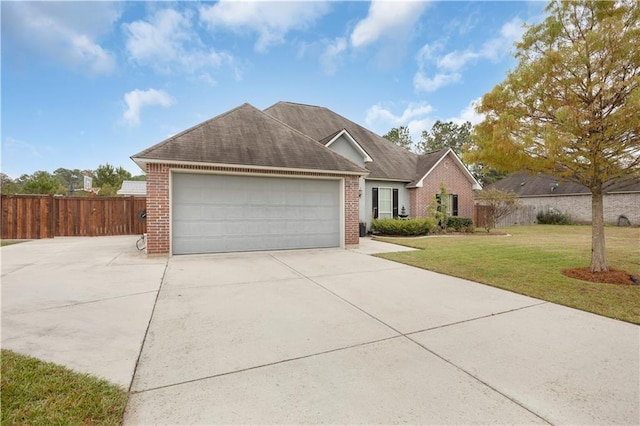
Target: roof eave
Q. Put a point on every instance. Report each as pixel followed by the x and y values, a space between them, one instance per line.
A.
pixel 144 161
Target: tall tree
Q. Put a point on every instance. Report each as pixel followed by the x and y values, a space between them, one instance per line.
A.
pixel 570 108
pixel 445 135
pixel 9 186
pixel 106 174
pixel 42 182
pixel 400 136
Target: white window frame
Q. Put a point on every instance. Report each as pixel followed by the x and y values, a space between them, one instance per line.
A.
pixel 382 214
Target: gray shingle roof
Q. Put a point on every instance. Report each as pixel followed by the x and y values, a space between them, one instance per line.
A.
pixel 247 136
pixel 527 185
pixel 389 160
pixel 133 187
pixel 426 163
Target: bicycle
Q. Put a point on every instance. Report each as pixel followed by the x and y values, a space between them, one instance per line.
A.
pixel 141 244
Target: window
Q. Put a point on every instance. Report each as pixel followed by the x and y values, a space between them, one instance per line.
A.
pixel 453 199
pixel 452 204
pixel 384 202
pixel 385 206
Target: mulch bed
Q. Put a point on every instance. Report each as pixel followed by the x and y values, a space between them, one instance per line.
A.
pixel 612 276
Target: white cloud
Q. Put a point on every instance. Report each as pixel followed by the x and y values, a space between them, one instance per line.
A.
pixel 454 61
pixel 11 145
pixel 137 99
pixel 423 83
pixel 416 116
pixel 449 65
pixel 469 114
pixel 331 55
pixel 66 32
pixel 492 49
pixel 166 40
pixel 270 20
pixel 429 51
pixel 387 19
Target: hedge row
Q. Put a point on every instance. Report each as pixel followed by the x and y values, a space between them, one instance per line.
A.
pixel 404 227
pixel 460 224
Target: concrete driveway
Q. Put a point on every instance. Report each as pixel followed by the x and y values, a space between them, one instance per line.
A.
pixel 314 336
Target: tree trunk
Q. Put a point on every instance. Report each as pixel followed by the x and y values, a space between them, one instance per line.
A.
pixel 598 255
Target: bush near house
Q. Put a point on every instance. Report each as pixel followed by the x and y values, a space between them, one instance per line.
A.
pixel 404 227
pixel 553 217
pixel 460 224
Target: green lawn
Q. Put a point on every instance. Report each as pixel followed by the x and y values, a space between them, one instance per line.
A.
pixel 39 393
pixel 8 243
pixel 530 261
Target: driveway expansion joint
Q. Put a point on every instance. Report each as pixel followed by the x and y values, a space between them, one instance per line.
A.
pixel 493 314
pixel 479 380
pixel 310 279
pixel 71 305
pixel 270 364
pixel 146 331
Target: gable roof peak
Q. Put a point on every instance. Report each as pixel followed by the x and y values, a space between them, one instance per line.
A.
pixel 428 162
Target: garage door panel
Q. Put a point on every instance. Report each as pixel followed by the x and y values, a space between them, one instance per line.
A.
pixel 216 213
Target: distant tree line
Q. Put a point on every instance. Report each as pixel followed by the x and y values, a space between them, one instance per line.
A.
pixel 445 135
pixel 68 181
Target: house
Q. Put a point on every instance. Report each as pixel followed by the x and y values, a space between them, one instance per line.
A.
pixel 137 188
pixel 542 192
pixel 291 176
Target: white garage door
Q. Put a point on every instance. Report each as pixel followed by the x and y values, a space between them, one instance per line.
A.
pixel 217 213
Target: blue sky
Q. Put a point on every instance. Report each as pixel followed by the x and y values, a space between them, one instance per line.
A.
pixel 86 83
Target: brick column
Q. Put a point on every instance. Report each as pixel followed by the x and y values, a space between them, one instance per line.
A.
pixel 157 209
pixel 351 212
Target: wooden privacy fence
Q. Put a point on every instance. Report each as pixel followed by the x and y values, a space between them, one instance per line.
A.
pixel 46 216
pixel 523 215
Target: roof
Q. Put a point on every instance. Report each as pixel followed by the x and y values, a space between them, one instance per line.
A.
pixel 527 185
pixel 133 187
pixel 246 136
pixel 390 161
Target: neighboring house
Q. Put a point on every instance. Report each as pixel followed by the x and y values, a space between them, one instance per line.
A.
pixel 291 176
pixel 136 188
pixel 543 192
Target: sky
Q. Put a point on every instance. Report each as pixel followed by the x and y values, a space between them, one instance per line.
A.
pixel 89 83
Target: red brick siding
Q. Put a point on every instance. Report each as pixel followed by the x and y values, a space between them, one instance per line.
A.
pixel 157 209
pixel 351 211
pixel 158 202
pixel 456 182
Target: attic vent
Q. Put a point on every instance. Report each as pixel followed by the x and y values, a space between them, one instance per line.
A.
pixel 522 183
pixel 553 186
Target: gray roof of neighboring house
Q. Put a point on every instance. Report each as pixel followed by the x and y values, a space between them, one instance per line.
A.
pixel 528 185
pixel 133 187
pixel 249 137
pixel 389 160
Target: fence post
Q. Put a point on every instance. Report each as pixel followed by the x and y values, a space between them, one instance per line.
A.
pixel 52 216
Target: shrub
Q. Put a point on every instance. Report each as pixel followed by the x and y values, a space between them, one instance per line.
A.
pixel 404 227
pixel 553 217
pixel 460 224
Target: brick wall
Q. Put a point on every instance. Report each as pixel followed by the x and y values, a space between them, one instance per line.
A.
pixel 455 180
pixel 157 209
pixel 158 219
pixel 578 207
pixel 351 212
